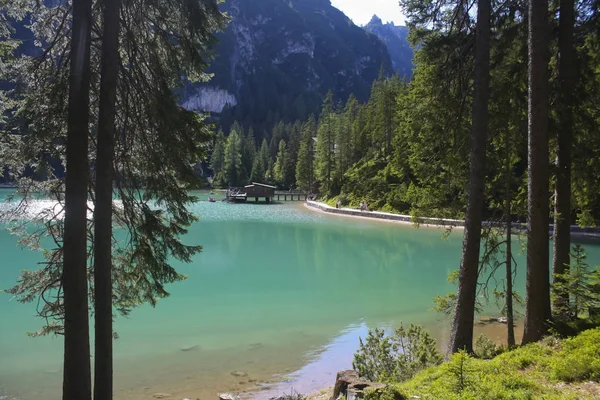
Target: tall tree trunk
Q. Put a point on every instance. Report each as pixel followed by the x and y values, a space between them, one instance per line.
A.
pixel 509 284
pixel 76 375
pixel 103 367
pixel 537 305
pixel 464 312
pixel 562 208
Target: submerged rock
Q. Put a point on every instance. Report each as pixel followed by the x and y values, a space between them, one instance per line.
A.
pixel 239 374
pixel 161 395
pixel 228 396
pixel 189 348
pixel 492 320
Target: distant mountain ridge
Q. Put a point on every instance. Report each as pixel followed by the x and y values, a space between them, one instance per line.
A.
pixel 278 58
pixel 396 40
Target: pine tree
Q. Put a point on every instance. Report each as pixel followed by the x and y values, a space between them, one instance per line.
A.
pixel 103 209
pixel 233 156
pixel 578 282
pixel 325 160
pixel 343 149
pixel 250 152
pixel 382 110
pixel 76 367
pixel 293 147
pixel 265 156
pixel 537 303
pixel 464 313
pixel 562 206
pixel 305 173
pixel 258 170
pixel 280 164
pixel 217 159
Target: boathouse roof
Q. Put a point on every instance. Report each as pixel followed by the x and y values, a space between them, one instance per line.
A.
pixel 260 184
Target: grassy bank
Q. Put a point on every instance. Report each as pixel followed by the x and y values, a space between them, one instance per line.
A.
pixel 552 369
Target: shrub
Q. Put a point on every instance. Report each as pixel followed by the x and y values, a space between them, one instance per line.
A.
pixel 343 199
pixel 293 395
pixel 397 357
pixel 580 284
pixel 579 358
pixel 387 393
pixel 460 368
pixel 486 348
pixel 374 359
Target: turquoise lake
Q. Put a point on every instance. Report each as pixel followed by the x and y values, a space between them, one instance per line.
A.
pixel 278 298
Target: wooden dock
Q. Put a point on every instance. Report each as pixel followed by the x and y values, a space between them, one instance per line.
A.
pixel 260 191
pixel 292 195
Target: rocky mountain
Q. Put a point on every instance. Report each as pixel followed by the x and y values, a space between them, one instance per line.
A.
pixel 278 58
pixel 395 39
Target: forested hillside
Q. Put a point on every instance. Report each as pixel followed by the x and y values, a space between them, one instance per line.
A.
pixel 407 148
pixel 277 59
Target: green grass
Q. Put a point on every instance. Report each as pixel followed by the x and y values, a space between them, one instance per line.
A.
pixel 551 369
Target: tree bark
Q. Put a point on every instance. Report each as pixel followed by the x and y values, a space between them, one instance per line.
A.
pixel 537 305
pixel 103 367
pixel 76 375
pixel 509 284
pixel 464 312
pixel 562 207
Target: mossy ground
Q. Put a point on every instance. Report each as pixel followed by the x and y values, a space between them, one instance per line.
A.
pixel 551 369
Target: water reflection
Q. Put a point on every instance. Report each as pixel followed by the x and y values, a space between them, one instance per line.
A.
pixel 277 290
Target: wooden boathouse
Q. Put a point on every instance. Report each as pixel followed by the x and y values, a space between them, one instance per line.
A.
pixel 263 191
pixel 256 190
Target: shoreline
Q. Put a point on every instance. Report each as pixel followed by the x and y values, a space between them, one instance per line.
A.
pixel 384 216
pixel 429 222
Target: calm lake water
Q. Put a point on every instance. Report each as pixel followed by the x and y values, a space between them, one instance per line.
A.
pixel 279 296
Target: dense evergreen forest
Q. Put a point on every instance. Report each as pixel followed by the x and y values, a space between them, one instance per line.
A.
pixel 407 148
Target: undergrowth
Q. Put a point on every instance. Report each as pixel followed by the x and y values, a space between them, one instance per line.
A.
pixel 535 371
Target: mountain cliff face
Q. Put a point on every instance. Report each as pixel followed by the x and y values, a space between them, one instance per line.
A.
pixel 395 39
pixel 278 58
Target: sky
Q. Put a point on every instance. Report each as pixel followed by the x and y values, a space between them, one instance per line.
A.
pixel 361 11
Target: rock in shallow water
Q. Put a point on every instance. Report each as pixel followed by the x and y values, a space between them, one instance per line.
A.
pixel 228 396
pixel 349 384
pixel 161 395
pixel 239 374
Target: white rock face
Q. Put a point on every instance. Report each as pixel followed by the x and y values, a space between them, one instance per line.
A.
pixel 209 99
pixel 245 44
pixel 259 20
pixel 361 63
pixel 305 45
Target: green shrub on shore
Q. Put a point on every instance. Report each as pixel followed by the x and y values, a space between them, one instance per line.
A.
pixel 486 348
pixel 578 359
pixel 548 370
pixel 396 357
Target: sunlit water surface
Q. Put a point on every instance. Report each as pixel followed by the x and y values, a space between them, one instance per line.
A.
pixel 277 299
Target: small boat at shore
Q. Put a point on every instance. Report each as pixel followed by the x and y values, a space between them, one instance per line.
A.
pixel 212 200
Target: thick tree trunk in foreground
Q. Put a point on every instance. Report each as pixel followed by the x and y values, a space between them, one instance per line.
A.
pixel 509 284
pixel 76 378
pixel 103 367
pixel 537 305
pixel 464 312
pixel 562 208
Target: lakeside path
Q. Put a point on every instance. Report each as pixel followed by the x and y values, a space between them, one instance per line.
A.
pixel 383 216
pixel 590 232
